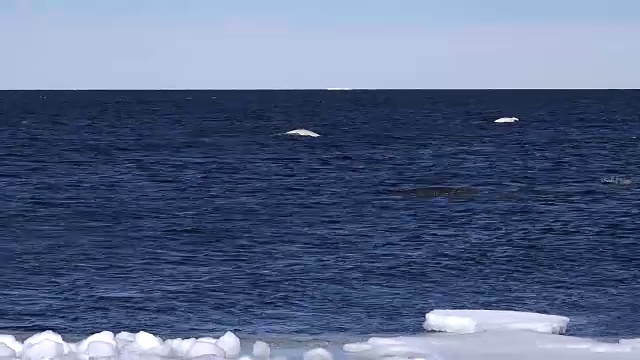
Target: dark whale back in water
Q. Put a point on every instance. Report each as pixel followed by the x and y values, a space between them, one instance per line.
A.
pixel 436 191
pixel 506 194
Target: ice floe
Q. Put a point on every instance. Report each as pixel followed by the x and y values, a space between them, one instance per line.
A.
pixel 470 321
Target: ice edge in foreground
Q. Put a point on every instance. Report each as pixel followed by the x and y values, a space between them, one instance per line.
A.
pixel 464 334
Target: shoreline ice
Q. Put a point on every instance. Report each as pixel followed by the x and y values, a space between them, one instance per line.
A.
pixel 463 334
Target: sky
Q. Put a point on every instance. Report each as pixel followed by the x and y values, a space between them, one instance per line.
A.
pixel 308 44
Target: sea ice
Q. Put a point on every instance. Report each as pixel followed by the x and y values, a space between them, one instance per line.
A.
pixel 634 343
pixel 201 348
pixel 492 345
pixel 11 342
pixel 465 335
pixel 100 344
pixel 7 352
pixel 124 338
pixel 317 354
pixel 43 349
pixel 230 343
pixel 146 341
pixel 470 321
pixel 261 350
pixel 180 347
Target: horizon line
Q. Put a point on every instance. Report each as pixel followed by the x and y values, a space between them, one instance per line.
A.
pixel 326 89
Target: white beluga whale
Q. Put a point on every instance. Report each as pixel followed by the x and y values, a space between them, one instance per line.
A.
pixel 617 181
pixel 302 132
pixel 507 120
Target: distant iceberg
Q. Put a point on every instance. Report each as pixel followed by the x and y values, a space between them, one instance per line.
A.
pixel 338 88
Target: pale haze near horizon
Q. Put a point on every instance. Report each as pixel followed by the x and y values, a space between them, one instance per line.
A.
pixel 287 44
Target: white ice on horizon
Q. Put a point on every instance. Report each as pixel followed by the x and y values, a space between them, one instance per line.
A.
pixel 474 334
pixel 302 132
pixel 470 321
pixel 507 120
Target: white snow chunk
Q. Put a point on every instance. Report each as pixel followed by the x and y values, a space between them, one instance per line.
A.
pixel 470 321
pixel 146 341
pixel 101 349
pixel 45 335
pixel 261 350
pixel 230 343
pixel 99 344
pixel 44 349
pixel 11 342
pixel 46 344
pixel 7 352
pixel 124 338
pixel 317 354
pixel 181 347
pixel 201 348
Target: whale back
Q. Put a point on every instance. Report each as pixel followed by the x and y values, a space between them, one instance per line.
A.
pixel 302 132
pixel 436 191
pixel 507 120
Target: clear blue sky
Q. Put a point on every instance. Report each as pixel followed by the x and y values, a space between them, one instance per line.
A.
pixel 224 44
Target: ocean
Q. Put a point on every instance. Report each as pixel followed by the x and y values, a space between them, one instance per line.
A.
pixel 188 213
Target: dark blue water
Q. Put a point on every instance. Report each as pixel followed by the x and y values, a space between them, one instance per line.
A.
pixel 181 213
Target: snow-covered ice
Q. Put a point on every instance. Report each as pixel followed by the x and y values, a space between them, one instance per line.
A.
pixel 470 321
pixel 634 343
pixel 9 342
pixel 261 350
pixel 464 334
pixel 317 354
pixel 493 345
